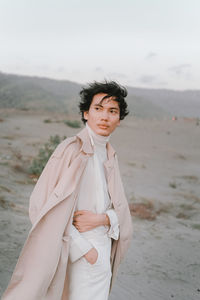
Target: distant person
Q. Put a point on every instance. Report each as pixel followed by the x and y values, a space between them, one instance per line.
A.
pixel 81 220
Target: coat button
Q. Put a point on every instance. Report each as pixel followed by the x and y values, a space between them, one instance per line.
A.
pixel 66 238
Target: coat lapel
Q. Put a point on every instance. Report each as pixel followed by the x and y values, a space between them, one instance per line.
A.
pixel 69 181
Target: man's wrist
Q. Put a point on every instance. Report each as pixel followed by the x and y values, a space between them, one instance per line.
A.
pixel 104 220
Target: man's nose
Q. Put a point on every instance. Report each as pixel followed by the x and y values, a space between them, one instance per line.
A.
pixel 104 115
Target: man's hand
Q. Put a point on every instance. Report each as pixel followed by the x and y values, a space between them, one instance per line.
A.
pixel 85 220
pixel 91 256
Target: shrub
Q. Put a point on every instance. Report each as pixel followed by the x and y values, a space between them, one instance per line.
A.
pixel 47 121
pixel 73 124
pixel 44 154
pixel 173 185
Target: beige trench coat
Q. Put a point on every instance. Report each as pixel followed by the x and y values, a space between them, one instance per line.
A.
pixel 41 270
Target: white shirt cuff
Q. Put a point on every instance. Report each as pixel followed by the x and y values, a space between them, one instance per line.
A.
pixel 79 246
pixel 113 231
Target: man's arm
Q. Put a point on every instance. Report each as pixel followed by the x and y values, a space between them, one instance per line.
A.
pixel 85 220
pixel 79 246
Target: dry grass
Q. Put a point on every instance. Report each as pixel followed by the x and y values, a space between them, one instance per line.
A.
pixel 18 168
pixel 7 205
pixel 136 165
pixel 132 164
pixel 187 207
pixel 8 137
pixel 180 156
pixel 17 154
pixel 143 210
pixel 181 215
pixel 24 182
pixel 4 188
pixel 164 208
pixel 3 202
pixel 190 177
pixel 191 197
pixel 19 208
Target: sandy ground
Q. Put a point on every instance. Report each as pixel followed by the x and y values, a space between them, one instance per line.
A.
pixel 159 162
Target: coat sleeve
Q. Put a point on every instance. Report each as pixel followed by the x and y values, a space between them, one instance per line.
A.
pixel 123 212
pixel 113 231
pixel 79 245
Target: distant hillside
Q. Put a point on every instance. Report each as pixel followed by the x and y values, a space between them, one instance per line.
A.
pixel 35 93
pixel 179 103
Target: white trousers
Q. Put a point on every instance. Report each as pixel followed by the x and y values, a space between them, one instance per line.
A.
pixel 87 281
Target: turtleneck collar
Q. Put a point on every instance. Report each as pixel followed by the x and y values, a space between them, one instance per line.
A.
pixel 97 139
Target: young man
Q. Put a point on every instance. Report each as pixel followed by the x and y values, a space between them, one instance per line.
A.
pixel 81 220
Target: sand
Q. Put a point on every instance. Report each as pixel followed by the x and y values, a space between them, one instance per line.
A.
pixel 159 162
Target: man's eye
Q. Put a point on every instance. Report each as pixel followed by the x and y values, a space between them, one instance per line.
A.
pixel 97 108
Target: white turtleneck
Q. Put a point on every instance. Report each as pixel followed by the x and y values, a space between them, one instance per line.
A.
pixel 93 195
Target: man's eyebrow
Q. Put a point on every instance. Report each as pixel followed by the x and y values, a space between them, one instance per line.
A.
pixel 116 108
pixel 97 104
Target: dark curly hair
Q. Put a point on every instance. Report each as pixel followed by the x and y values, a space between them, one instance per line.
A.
pixel 111 88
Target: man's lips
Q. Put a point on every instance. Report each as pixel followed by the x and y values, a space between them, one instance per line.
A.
pixel 103 126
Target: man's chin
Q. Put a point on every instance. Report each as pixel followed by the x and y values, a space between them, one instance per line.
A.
pixel 103 132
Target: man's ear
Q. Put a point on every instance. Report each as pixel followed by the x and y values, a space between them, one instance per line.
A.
pixel 85 114
pixel 118 123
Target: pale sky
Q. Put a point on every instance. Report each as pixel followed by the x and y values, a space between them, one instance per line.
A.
pixel 140 43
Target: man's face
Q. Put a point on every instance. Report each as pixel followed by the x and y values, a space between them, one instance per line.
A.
pixel 103 117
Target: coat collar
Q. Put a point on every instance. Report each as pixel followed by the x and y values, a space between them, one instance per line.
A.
pixel 87 146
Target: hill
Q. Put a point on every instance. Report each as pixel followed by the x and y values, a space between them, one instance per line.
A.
pixel 43 94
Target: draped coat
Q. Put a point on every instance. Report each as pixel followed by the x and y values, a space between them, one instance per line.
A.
pixel 41 271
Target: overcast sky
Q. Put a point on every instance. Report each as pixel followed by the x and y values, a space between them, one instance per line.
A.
pixel 142 43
